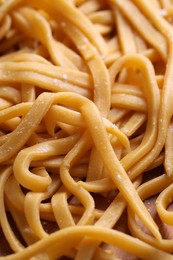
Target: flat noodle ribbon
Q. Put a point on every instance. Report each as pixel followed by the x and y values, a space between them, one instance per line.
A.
pixel 86 129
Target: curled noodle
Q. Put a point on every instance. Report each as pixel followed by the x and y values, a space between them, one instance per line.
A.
pixel 86 129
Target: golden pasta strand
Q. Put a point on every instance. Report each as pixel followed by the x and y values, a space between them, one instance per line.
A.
pixel 86 129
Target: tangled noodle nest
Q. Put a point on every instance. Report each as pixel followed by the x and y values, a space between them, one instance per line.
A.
pixel 86 129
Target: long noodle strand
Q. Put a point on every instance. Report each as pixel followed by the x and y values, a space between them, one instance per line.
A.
pixel 86 129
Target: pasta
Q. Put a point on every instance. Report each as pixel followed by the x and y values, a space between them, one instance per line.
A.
pixel 86 130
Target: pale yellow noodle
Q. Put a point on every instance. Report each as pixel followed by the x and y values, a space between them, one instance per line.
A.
pixel 124 32
pixel 153 99
pixel 131 11
pixel 86 129
pixel 168 150
pixel 73 235
pixel 145 191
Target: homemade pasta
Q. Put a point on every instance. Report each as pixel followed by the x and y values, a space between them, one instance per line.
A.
pixel 86 129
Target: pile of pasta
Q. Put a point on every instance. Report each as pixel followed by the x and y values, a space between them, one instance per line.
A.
pixel 86 129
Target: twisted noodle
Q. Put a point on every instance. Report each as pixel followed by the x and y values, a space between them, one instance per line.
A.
pixel 86 129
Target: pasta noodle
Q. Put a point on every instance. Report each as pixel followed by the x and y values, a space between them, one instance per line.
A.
pixel 86 130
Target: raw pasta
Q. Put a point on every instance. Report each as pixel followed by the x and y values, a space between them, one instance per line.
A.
pixel 86 130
